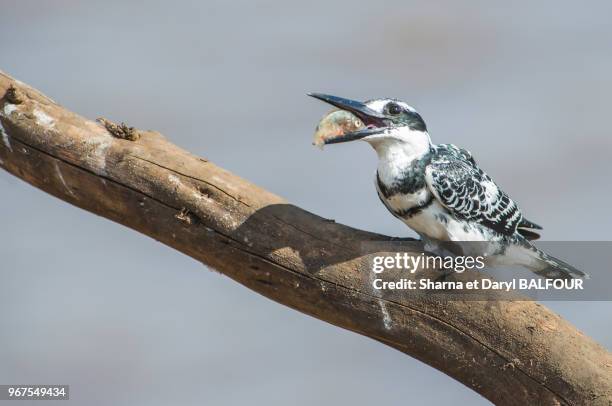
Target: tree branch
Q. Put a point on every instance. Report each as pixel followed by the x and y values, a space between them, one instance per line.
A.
pixel 511 352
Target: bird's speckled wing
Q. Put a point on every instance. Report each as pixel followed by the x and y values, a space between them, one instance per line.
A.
pixel 465 190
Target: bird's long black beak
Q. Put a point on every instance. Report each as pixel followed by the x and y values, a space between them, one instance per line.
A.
pixel 374 121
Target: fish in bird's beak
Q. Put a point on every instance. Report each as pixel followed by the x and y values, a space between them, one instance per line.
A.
pixel 354 121
pixel 335 124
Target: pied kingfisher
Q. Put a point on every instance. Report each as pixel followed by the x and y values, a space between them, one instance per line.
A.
pixel 439 191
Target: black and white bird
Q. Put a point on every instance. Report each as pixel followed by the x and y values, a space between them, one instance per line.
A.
pixel 440 192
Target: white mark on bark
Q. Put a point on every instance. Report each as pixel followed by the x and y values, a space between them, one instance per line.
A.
pixel 43 119
pixel 174 181
pixel 230 221
pixel 5 138
pixel 96 152
pixel 386 317
pixel 61 178
pixel 9 108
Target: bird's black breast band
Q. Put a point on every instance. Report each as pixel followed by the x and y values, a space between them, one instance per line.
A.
pixel 406 214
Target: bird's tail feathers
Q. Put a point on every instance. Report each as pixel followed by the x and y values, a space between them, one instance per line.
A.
pixel 529 224
pixel 550 267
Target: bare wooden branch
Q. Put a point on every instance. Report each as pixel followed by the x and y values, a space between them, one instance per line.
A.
pixel 511 352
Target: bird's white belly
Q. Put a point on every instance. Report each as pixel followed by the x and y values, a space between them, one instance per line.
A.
pixel 435 222
pixel 402 202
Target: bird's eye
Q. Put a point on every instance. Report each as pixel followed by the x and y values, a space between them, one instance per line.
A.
pixel 394 109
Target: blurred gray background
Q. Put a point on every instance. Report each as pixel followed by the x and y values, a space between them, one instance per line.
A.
pixel 126 321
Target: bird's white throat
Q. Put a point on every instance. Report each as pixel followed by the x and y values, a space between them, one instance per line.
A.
pixel 397 150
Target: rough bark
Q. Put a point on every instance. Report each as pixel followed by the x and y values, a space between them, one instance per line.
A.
pixel 511 352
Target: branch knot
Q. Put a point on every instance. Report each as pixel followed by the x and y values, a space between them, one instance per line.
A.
pixel 121 130
pixel 13 95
